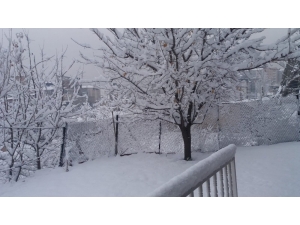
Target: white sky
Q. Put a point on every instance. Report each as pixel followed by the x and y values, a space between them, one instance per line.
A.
pixel 56 39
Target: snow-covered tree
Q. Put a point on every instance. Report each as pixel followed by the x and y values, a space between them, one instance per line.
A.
pixel 176 75
pixel 32 112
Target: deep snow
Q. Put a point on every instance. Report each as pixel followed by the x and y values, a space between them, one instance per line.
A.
pixel 272 170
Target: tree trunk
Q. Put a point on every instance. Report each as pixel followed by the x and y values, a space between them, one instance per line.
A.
pixel 11 169
pixel 186 135
pixel 38 158
pixel 18 175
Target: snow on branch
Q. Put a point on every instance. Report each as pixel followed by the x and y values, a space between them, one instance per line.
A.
pixel 174 73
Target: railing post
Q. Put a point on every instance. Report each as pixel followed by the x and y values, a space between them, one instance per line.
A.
pixel 234 180
pixel 63 146
pixel 208 187
pixel 215 185
pixel 230 179
pixel 200 191
pixel 222 183
pixel 226 182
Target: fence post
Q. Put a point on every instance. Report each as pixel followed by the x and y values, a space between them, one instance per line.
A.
pixel 298 113
pixel 116 134
pixel 219 128
pixel 159 137
pixel 63 146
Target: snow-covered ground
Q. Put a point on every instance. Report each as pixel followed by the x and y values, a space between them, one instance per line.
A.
pixel 261 171
pixel 272 170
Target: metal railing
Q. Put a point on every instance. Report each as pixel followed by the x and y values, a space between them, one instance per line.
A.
pixel 217 172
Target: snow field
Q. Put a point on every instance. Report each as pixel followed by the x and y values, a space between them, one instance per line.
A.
pixel 272 170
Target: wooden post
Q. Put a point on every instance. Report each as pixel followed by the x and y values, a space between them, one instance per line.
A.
pixel 63 146
pixel 117 133
pixel 116 128
pixel 159 137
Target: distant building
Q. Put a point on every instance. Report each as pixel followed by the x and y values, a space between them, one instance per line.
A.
pixel 68 91
pixel 88 91
pixel 273 78
pixel 250 86
pixel 258 83
pixel 91 91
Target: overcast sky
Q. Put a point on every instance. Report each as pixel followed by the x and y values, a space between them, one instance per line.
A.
pixel 55 39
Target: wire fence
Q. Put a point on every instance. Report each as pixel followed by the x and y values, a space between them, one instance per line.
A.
pixel 240 123
pixel 259 122
pixel 89 140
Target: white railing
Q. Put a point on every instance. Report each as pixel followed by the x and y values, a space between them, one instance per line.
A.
pixel 217 171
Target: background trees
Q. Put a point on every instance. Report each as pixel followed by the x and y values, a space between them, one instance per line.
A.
pixel 33 106
pixel 176 75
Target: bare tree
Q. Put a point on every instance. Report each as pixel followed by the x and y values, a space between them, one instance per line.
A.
pixel 33 104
